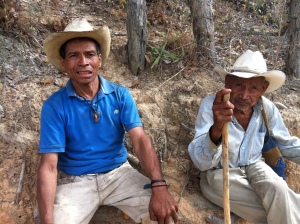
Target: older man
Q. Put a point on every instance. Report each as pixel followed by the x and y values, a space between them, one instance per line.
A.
pixel 83 157
pixel 257 193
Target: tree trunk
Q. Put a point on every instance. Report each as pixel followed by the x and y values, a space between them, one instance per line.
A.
pixel 293 62
pixel 137 35
pixel 203 27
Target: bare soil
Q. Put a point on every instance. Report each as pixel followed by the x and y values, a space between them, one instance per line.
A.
pixel 168 96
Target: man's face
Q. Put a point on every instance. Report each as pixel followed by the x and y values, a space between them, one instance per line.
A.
pixel 245 92
pixel 82 63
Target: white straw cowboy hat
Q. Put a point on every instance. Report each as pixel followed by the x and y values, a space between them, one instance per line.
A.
pixel 252 64
pixel 76 28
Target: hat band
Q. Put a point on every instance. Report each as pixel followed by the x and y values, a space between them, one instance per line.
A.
pixel 245 70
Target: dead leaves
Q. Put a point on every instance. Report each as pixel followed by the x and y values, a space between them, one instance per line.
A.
pixel 156 14
pixel 59 25
pixel 46 81
pixel 189 71
pixel 50 81
pixel 135 83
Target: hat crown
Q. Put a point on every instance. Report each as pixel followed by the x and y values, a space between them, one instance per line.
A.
pixel 252 64
pixel 78 25
pixel 250 61
pixel 77 28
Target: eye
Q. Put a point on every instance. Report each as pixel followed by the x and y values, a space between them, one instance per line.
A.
pixel 91 54
pixel 71 55
pixel 254 89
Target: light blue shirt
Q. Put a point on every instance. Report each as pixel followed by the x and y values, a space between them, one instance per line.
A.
pixel 244 147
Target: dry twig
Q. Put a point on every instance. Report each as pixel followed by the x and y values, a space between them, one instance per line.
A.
pixel 181 193
pixel 170 78
pixel 279 33
pixel 292 86
pixel 19 190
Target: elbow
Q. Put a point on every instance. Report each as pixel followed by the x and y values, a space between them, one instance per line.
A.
pixel 194 158
pixel 47 169
pixel 48 163
pixel 199 160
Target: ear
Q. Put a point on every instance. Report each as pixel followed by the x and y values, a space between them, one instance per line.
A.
pixel 62 62
pixel 100 60
pixel 227 81
pixel 265 86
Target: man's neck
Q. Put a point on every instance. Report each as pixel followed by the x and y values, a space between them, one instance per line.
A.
pixel 88 91
pixel 243 116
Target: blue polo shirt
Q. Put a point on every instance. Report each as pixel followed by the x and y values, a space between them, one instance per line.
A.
pixel 83 145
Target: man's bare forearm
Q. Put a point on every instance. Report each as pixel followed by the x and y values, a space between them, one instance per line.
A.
pixel 46 189
pixel 148 158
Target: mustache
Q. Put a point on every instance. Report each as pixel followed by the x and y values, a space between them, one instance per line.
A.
pixel 240 100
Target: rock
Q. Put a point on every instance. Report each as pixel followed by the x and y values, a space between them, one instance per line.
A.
pixel 280 105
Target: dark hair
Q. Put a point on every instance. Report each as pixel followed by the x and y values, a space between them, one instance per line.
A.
pixel 62 50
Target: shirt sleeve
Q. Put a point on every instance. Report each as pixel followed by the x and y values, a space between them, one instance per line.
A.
pixel 129 112
pixel 203 152
pixel 52 133
pixel 288 145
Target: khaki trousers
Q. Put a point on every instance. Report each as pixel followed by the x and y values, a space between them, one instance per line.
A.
pixel 256 194
pixel 78 197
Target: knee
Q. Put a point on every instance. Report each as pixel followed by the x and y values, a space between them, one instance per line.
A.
pixel 271 188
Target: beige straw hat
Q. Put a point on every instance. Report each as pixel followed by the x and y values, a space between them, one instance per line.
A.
pixel 76 28
pixel 252 64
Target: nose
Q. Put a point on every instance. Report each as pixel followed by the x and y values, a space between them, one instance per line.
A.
pixel 245 94
pixel 83 60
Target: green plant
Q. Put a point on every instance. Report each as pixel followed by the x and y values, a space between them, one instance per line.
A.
pixel 166 56
pixel 157 53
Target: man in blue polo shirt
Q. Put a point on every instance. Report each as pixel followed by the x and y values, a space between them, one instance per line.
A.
pixel 83 157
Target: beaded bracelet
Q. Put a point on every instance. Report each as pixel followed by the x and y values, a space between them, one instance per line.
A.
pixel 155 181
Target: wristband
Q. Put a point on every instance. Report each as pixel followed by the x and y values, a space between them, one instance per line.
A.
pixel 156 181
pixel 153 182
pixel 167 185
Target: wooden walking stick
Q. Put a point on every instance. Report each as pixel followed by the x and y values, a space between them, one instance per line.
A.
pixel 226 203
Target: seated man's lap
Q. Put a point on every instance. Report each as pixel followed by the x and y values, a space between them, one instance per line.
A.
pixel 78 197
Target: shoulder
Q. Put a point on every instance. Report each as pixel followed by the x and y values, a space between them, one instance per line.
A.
pixel 109 86
pixel 208 101
pixel 210 98
pixel 57 96
pixel 268 104
pixel 271 109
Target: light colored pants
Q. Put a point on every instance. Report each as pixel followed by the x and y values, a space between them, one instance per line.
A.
pixel 78 197
pixel 256 194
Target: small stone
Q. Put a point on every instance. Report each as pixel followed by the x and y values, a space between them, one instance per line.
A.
pixel 280 105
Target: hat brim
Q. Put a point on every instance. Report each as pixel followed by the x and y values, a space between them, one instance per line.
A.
pixel 53 43
pixel 275 78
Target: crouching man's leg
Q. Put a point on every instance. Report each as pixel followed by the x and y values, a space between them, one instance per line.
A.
pixel 282 204
pixel 244 202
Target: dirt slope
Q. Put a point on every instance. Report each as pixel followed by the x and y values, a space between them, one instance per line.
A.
pixel 167 96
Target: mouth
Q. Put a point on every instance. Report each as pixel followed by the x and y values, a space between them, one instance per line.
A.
pixel 84 73
pixel 243 103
